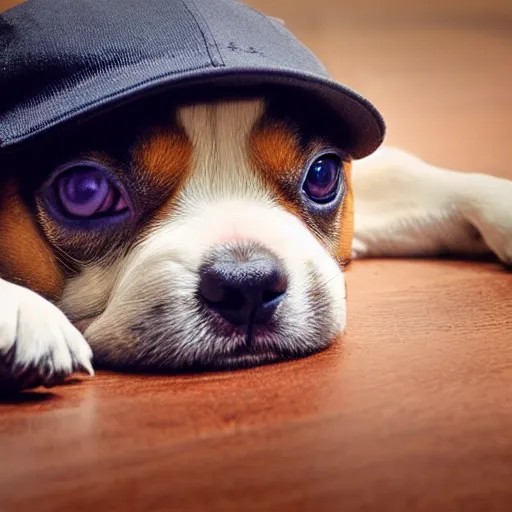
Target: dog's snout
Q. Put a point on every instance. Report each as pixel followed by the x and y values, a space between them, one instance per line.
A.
pixel 244 283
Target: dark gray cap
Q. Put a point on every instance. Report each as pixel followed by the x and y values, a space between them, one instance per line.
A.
pixel 63 59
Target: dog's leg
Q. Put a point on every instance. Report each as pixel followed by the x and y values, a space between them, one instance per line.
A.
pixel 406 207
pixel 38 344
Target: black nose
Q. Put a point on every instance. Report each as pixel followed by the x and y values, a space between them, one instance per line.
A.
pixel 243 282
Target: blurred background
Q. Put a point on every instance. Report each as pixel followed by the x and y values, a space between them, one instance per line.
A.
pixel 440 71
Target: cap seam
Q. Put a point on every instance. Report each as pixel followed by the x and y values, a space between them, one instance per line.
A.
pixel 210 43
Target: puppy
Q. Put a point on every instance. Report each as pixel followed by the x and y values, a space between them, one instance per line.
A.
pixel 210 233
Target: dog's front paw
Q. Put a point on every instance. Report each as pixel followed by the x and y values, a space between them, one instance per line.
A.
pixel 489 209
pixel 38 344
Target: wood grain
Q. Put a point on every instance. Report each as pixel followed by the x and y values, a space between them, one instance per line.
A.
pixel 410 411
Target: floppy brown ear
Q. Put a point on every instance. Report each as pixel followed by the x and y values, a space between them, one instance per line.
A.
pixel 26 257
pixel 347 218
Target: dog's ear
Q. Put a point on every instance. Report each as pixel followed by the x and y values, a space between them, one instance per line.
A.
pixel 26 257
pixel 347 218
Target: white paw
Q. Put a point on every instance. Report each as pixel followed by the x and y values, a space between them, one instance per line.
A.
pixel 489 209
pixel 38 344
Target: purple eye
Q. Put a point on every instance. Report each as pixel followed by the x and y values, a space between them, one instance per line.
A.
pixel 86 190
pixel 323 178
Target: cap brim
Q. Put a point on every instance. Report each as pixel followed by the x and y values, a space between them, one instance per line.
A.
pixel 356 115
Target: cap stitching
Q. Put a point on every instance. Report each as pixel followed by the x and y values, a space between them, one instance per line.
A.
pixel 210 42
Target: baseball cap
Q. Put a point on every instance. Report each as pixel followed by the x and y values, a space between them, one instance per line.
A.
pixel 61 60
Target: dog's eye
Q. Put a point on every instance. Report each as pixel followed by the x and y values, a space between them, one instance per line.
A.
pixel 86 190
pixel 323 178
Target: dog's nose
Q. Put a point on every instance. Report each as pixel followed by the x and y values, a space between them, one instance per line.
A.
pixel 244 283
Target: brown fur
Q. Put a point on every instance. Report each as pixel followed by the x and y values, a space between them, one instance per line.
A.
pixel 276 154
pixel 163 155
pixel 26 258
pixel 347 218
pixel 276 151
pixel 164 159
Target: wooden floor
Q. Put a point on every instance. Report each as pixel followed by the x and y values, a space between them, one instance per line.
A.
pixel 411 411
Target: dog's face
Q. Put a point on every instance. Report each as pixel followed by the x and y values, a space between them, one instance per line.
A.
pixel 209 234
